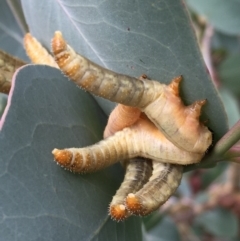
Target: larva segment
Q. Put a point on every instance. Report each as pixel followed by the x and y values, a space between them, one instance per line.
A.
pixel 138 172
pixel 161 103
pixel 36 52
pixel 122 116
pixel 100 81
pixel 140 139
pixel 8 65
pixel 163 183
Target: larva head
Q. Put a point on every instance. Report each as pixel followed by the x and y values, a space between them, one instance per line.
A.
pixel 134 205
pixel 118 212
pixel 63 157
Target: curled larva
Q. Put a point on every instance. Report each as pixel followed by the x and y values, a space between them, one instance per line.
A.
pixel 8 65
pixel 138 172
pixel 36 52
pixel 161 103
pixel 162 184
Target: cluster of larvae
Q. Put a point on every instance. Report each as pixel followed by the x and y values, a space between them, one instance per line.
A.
pixel 150 131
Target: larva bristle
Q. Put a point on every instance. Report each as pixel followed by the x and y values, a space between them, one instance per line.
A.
pixel 36 52
pixel 118 212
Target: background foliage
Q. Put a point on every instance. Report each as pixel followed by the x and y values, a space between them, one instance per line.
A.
pixel 39 201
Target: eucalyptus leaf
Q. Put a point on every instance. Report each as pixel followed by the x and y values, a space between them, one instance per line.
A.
pixel 129 37
pixel 38 199
pixel 10 33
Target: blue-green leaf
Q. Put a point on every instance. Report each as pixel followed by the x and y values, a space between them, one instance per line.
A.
pixel 40 200
pixel 10 33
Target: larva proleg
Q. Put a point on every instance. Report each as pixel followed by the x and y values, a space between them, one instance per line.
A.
pixel 162 184
pixel 138 172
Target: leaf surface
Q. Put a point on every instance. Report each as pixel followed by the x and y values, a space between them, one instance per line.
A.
pixel 39 200
pixel 10 33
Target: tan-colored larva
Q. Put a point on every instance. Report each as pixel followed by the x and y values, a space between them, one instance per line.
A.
pixel 138 172
pixel 141 139
pixel 8 65
pixel 160 102
pixel 36 52
pixel 162 184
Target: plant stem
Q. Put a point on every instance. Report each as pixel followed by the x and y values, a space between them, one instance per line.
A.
pixel 227 141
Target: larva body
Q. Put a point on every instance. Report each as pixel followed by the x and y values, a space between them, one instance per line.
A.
pixel 160 102
pixel 36 52
pixel 8 65
pixel 140 139
pixel 162 184
pixel 138 172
